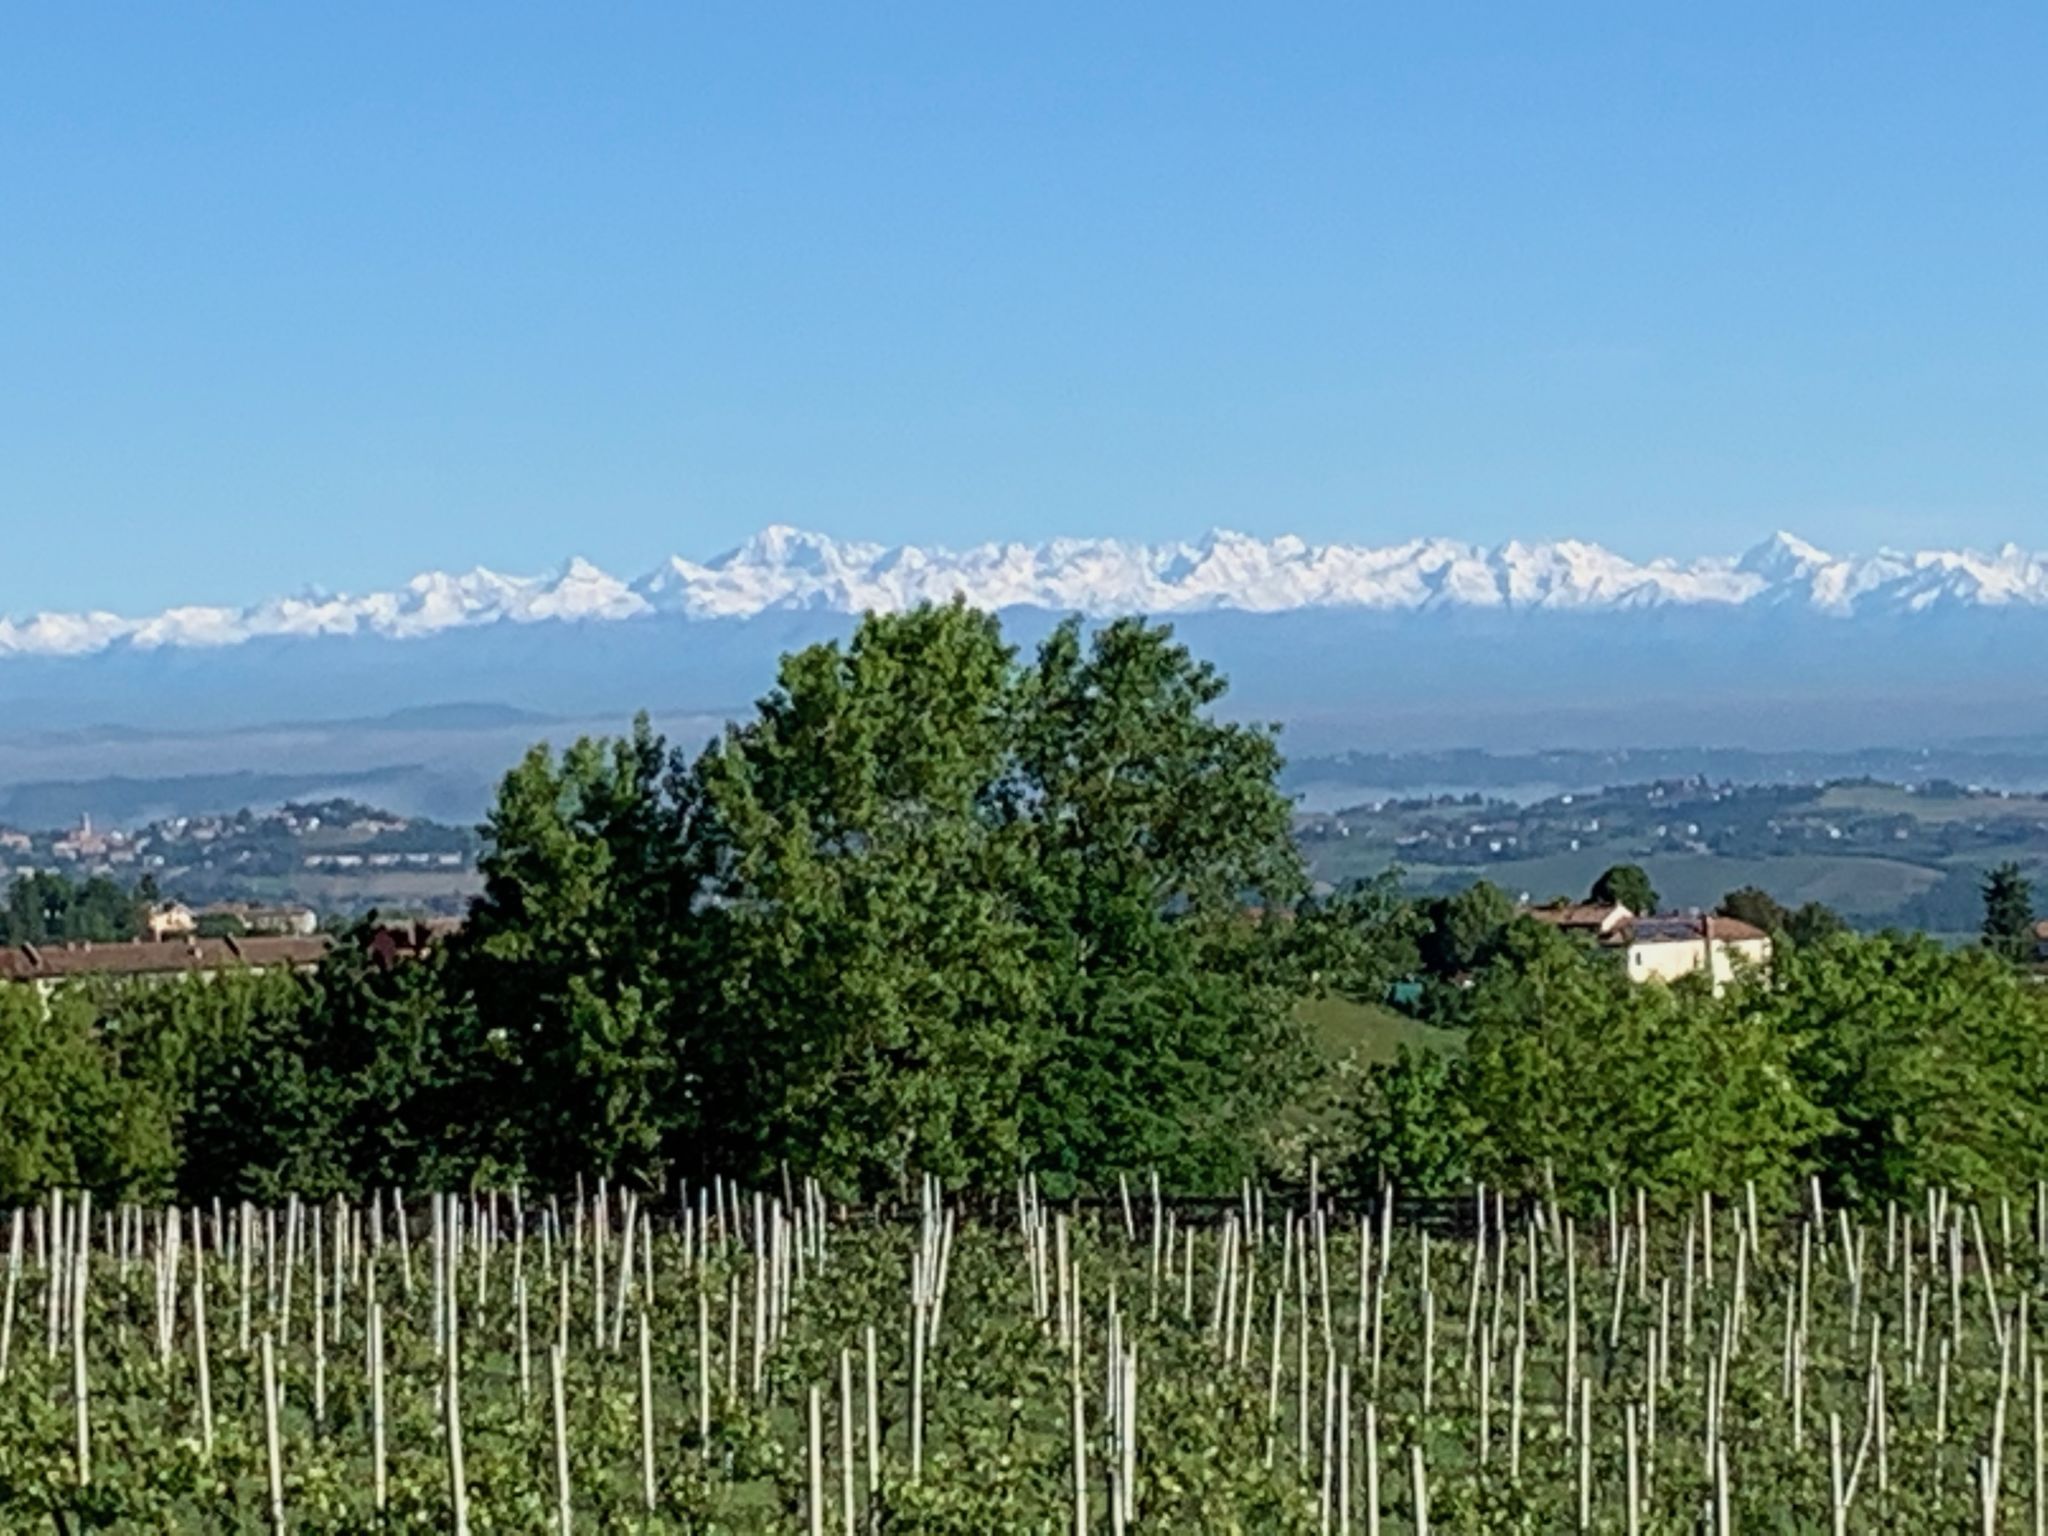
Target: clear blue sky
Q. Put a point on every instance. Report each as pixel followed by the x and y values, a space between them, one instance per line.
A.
pixel 295 294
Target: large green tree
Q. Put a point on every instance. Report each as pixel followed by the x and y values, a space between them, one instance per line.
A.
pixel 961 914
pixel 1163 883
pixel 562 984
pixel 1627 885
pixel 870 995
pixel 1929 1061
pixel 2008 912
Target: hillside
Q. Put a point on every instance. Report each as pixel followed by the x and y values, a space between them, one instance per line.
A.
pixel 1880 854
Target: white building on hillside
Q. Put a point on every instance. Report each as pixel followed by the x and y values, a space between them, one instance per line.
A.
pixel 1667 948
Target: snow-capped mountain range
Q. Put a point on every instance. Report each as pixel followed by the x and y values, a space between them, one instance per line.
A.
pixel 787 569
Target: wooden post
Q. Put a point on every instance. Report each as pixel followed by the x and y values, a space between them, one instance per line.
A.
pixel 874 1419
pixel 379 1471
pixel 1079 1424
pixel 1344 1450
pixel 647 1418
pixel 1585 1438
pixel 1635 1483
pixel 917 1340
pixel 458 1481
pixel 561 1427
pixel 815 1460
pixel 199 1348
pixel 846 1441
pixel 1372 1468
pixel 13 1285
pixel 703 1369
pixel 81 1268
pixel 272 1451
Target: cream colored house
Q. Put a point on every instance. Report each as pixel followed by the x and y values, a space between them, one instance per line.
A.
pixel 1667 948
pixel 171 920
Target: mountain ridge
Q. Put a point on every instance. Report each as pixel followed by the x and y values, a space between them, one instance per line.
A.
pixel 783 568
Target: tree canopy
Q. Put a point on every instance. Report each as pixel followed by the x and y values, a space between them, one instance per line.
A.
pixel 963 914
pixel 2008 912
pixel 1626 885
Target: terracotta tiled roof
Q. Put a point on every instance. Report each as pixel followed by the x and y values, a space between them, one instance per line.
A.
pixel 1596 915
pixel 175 957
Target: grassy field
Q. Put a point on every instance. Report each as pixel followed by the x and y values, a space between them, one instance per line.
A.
pixel 1366 1032
pixel 1892 800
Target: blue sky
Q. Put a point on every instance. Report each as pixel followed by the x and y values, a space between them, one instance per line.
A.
pixel 296 294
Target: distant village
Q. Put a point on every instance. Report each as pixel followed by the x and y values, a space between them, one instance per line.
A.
pixel 250 890
pixel 294 851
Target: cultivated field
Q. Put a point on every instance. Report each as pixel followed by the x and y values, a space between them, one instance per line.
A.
pixel 742 1364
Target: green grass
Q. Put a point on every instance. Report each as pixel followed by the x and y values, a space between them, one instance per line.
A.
pixel 1367 1032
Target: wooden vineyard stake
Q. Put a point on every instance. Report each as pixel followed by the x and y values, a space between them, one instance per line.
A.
pixel 81 1397
pixel 846 1507
pixel 13 1287
pixel 703 1371
pixel 379 1481
pixel 560 1420
pixel 646 1419
pixel 273 1453
pixel 458 1481
pixel 874 1418
pixel 1079 1425
pixel 814 1504
pixel 1372 1469
pixel 202 1363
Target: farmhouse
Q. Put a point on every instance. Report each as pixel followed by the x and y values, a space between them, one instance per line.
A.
pixel 1666 948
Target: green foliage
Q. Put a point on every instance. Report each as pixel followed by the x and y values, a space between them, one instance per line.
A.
pixel 1367 938
pixel 2008 912
pixel 1887 1064
pixel 1415 1129
pixel 69 1112
pixel 1627 885
pixel 960 913
pixel 1578 1073
pixel 1463 931
pixel 563 1029
pixel 1813 922
pixel 1756 906
pixel 1162 883
pixel 1810 923
pixel 872 990
pixel 47 908
pixel 1928 1060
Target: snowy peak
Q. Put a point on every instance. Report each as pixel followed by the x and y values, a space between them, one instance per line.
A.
pixel 786 568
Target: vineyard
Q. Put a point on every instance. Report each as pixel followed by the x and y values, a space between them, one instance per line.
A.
pixel 712 1360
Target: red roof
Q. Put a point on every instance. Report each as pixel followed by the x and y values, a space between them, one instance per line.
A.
pixel 176 957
